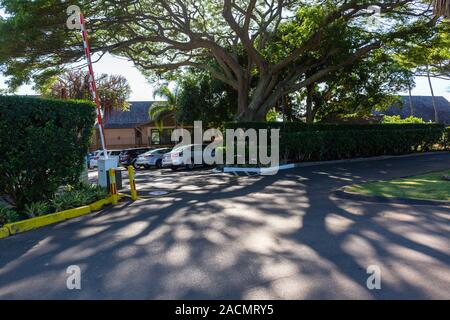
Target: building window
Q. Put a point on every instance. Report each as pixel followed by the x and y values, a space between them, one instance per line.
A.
pixel 166 137
pixel 161 137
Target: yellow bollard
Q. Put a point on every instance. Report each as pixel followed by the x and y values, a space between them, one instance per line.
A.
pixel 113 186
pixel 131 177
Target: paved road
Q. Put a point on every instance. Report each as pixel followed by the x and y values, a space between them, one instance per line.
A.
pixel 281 236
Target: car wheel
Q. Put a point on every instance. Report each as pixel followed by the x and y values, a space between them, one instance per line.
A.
pixel 190 166
pixel 174 168
pixel 159 164
pixel 146 166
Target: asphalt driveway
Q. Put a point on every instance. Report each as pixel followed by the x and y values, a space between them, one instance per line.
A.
pixel 215 236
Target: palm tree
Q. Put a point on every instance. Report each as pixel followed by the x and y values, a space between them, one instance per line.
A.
pixel 442 8
pixel 161 109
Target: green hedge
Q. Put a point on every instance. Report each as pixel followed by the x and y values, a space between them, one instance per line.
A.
pixel 447 138
pixel 291 127
pixel 42 145
pixel 315 142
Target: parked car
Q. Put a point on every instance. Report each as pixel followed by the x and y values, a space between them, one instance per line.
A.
pixel 177 157
pixel 93 163
pixel 129 156
pixel 152 158
pixel 88 158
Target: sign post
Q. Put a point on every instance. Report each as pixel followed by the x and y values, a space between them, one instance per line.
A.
pixel 92 84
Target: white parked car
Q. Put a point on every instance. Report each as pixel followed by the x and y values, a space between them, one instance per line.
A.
pixel 179 157
pixel 152 158
pixel 93 163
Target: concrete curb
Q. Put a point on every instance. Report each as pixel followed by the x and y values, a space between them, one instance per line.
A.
pixel 342 194
pixel 38 222
pixel 273 170
pixel 4 232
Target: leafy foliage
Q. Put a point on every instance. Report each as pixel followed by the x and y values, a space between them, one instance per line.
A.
pixel 71 197
pixel 205 98
pixel 262 49
pixel 37 209
pixel 43 143
pixel 78 196
pixel 397 119
pixel 162 109
pixel 8 215
pixel 113 90
pixel 431 56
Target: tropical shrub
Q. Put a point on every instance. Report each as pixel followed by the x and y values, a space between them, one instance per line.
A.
pixel 37 209
pixel 42 145
pixel 397 119
pixel 7 215
pixel 74 197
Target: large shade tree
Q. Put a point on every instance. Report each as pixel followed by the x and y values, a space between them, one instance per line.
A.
pixel 160 36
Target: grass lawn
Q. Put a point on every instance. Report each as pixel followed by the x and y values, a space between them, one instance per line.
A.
pixel 428 186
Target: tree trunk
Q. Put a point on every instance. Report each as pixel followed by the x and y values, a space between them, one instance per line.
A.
pixel 410 101
pixel 243 112
pixel 436 115
pixel 309 102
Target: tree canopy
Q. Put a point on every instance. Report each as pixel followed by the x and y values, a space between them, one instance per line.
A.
pixel 263 49
pixel 113 90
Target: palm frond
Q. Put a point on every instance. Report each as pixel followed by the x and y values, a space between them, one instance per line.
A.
pixel 163 92
pixel 159 111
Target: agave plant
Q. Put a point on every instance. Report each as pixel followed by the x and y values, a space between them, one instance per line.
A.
pixel 37 209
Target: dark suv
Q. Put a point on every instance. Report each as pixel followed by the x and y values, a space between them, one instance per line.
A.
pixel 129 156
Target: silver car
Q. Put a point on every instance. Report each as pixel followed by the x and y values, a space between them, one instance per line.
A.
pixel 93 163
pixel 176 158
pixel 152 158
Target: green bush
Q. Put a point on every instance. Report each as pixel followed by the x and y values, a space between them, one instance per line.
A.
pixel 37 209
pixel 397 119
pixel 7 215
pixel 42 145
pixel 98 191
pixel 297 126
pixel 319 141
pixel 447 138
pixel 74 197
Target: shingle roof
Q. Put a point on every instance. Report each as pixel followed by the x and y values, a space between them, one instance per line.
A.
pixel 136 115
pixel 422 108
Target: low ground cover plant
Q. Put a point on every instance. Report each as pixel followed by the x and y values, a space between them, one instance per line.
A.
pixel 71 197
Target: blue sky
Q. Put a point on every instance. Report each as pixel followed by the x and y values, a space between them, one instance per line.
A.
pixel 142 90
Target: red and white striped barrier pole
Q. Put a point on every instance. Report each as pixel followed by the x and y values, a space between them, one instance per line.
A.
pixel 92 84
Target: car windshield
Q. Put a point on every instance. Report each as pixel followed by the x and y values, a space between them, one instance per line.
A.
pixel 156 151
pixel 148 153
pixel 182 148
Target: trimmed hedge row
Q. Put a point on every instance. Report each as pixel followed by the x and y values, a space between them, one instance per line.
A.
pixel 315 142
pixel 291 127
pixel 42 145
